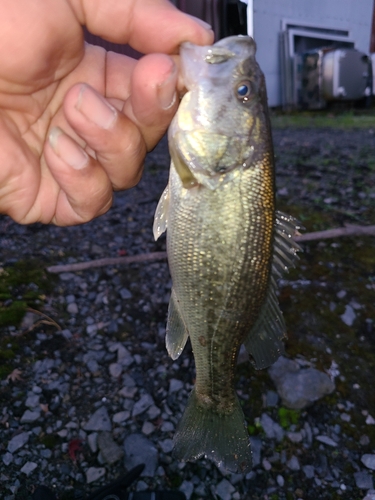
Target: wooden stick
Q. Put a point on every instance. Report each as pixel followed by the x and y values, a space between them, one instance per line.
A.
pixel 336 233
pixel 110 261
pixel 148 257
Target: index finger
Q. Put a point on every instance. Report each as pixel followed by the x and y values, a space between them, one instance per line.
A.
pixel 147 25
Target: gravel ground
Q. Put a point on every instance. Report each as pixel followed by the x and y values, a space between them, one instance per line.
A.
pixel 87 391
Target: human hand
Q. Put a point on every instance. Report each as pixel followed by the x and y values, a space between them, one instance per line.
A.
pixel 66 145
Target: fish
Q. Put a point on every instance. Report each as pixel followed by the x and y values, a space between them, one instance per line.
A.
pixel 226 243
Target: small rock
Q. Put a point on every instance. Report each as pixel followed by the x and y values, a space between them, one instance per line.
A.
pixel 121 416
pixel 166 445
pixel 364 440
pixel 326 440
pixel 187 488
pixel 92 440
pixel 295 437
pixel 266 465
pixel 115 370
pixel 7 458
pixel 167 427
pixel 175 385
pixel 72 308
pixel 368 460
pixel 349 315
pixel 18 441
pixel 32 401
pixel 139 450
pixel 271 428
pixel 99 421
pixel 280 480
pixel 309 471
pixel 29 467
pixel 293 463
pixel 94 473
pixel 30 416
pixel 125 294
pixel 363 480
pixel 142 404
pixel 153 412
pixel 256 449
pixel 272 398
pixel 224 489
pixel 110 450
pixel 370 420
pixel 370 496
pixel 298 387
pixel 148 428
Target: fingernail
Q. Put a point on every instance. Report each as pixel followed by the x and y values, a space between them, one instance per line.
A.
pixel 66 149
pixel 95 108
pixel 167 94
pixel 202 23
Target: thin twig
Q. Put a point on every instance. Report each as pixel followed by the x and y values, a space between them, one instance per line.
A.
pixel 110 261
pixel 115 261
pixel 337 232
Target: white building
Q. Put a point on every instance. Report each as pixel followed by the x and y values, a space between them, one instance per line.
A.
pixel 284 27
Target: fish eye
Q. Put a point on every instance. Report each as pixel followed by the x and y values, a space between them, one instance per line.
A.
pixel 243 91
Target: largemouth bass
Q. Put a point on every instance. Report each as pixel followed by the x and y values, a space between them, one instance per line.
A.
pixel 226 244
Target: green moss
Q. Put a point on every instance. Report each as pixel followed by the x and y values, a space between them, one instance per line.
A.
pixel 288 417
pixel 22 285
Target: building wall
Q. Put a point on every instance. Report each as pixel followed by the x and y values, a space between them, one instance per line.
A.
pixel 352 15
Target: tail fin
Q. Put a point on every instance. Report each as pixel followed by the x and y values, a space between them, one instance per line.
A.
pixel 221 437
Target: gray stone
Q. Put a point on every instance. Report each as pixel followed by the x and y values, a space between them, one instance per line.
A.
pixel 293 463
pixel 139 450
pixel 166 445
pixel 110 450
pixel 368 460
pixel 121 416
pixel 30 416
pixel 18 441
pixel 326 440
pixel 175 385
pixel 29 467
pixel 128 392
pixel 224 489
pixel 125 294
pixel 153 412
pixel 272 398
pixel 349 315
pixel 370 495
pixel 72 308
pixel 295 437
pixel 256 448
pixel 187 488
pixel 298 387
pixel 271 428
pixel 309 471
pixel 280 480
pixel 123 356
pixel 7 458
pixel 142 405
pixel 92 440
pixel 32 400
pixel 148 428
pixel 115 370
pixel 99 421
pixel 94 473
pixel 167 427
pixel 363 480
pixel 93 365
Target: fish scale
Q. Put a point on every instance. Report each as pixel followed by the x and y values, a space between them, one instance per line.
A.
pixel 225 242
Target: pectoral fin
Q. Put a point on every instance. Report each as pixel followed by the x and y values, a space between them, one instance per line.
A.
pixel 264 342
pixel 177 333
pixel 161 214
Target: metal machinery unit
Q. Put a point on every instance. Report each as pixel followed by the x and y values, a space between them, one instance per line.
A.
pixel 324 75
